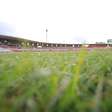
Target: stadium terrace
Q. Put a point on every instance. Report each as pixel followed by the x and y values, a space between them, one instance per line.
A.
pixel 20 43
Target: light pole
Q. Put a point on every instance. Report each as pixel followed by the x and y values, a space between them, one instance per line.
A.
pixel 46 34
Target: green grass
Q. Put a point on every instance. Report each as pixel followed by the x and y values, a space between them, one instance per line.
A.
pixel 56 81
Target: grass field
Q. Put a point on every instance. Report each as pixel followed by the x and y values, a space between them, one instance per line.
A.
pixel 56 81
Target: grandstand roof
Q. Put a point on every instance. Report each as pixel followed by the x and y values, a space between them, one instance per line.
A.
pixel 13 38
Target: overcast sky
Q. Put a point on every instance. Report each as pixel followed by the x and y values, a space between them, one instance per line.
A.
pixel 68 21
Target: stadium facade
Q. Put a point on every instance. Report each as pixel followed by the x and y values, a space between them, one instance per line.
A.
pixel 15 42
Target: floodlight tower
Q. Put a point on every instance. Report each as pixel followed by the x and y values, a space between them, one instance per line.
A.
pixel 46 34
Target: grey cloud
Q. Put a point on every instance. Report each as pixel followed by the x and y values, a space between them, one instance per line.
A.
pixel 6 29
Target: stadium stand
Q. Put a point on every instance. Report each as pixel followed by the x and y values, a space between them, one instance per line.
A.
pixel 21 43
